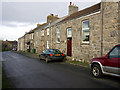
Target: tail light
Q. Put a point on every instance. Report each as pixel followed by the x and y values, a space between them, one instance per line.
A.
pixel 62 54
pixel 51 54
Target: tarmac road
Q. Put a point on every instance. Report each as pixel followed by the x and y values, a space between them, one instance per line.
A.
pixel 25 72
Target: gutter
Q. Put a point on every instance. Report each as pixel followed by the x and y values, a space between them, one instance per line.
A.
pixel 101 28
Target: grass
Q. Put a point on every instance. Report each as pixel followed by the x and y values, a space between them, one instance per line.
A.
pixel 79 63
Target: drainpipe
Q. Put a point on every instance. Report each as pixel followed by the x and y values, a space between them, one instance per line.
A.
pixel 51 33
pixel 101 28
pixel 51 37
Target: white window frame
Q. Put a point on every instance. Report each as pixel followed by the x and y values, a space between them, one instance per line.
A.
pixel 83 29
pixel 57 35
pixel 48 31
pixel 29 36
pixel 42 33
pixel 47 44
pixel 68 32
pixel 32 35
pixel 34 44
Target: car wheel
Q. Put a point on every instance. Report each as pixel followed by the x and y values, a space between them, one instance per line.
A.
pixel 46 60
pixel 96 71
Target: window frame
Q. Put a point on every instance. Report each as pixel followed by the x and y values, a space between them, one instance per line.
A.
pixel 47 44
pixel 32 35
pixel 84 29
pixel 48 31
pixel 57 35
pixel 42 32
pixel 68 31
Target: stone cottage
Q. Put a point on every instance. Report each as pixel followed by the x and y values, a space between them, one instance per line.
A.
pixel 82 35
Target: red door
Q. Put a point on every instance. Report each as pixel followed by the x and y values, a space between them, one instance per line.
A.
pixel 69 47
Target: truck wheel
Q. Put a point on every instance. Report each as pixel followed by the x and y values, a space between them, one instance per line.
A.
pixel 96 71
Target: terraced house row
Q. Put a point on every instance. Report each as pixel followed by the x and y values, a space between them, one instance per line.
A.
pixel 82 35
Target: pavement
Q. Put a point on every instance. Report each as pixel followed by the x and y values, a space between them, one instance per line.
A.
pixel 31 55
pixel 26 72
pixel 66 60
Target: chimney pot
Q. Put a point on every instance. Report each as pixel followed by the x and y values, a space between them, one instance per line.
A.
pixel 52 14
pixel 70 3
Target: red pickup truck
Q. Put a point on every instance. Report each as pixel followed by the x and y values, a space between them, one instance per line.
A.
pixel 109 64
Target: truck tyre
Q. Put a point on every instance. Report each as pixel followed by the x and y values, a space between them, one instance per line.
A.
pixel 96 71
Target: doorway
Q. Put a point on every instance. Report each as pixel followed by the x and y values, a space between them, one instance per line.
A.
pixel 69 47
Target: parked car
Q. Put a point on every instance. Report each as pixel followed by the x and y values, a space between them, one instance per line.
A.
pixel 52 54
pixel 14 49
pixel 109 64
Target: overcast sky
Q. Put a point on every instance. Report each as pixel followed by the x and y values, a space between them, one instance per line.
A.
pixel 20 17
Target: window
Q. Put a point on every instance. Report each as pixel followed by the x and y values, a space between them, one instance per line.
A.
pixel 58 35
pixel 42 33
pixel 85 31
pixel 115 53
pixel 54 50
pixel 69 32
pixel 47 44
pixel 47 31
pixel 32 35
pixel 36 44
pixel 37 34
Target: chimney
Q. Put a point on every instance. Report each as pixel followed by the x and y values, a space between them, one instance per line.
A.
pixel 38 24
pixel 70 3
pixel 56 15
pixel 52 18
pixel 52 14
pixel 72 8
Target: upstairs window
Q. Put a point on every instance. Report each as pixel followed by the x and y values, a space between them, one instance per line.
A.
pixel 47 44
pixel 32 35
pixel 58 35
pixel 42 33
pixel 85 31
pixel 47 31
pixel 69 32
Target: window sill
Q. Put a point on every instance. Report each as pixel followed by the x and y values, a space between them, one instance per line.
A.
pixel 85 43
pixel 57 42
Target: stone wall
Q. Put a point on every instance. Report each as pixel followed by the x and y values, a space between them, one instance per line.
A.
pixel 109 32
pixel 80 51
pixel 83 51
pixel 110 25
pixel 21 45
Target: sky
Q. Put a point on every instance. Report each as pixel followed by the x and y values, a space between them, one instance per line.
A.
pixel 20 16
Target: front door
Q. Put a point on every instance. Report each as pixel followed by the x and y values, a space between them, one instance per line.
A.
pixel 69 47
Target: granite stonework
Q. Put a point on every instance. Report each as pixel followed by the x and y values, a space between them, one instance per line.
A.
pixel 104 26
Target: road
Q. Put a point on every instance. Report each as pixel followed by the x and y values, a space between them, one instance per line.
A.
pixel 25 72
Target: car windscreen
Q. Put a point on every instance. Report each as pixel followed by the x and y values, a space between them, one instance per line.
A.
pixel 54 51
